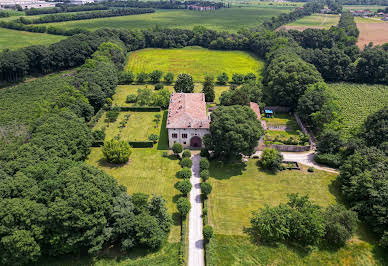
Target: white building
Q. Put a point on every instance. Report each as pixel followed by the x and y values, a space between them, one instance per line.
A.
pixel 187 120
pixel 81 2
pixel 26 4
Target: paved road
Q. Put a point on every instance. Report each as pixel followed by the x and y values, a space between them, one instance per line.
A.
pixel 196 253
pixel 306 158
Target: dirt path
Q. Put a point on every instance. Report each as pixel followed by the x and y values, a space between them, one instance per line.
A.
pixel 196 253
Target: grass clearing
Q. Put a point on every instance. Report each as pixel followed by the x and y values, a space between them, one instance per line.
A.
pixel 195 61
pixel 357 101
pixel 14 39
pixel 228 19
pixel 363 7
pixel 318 21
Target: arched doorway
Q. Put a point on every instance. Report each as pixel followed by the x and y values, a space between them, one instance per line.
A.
pixel 196 142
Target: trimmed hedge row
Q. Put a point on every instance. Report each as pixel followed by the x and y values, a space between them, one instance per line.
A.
pixel 64 9
pixel 141 144
pixel 96 117
pixel 140 108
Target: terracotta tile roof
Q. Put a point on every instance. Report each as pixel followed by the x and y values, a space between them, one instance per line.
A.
pixel 255 107
pixel 187 110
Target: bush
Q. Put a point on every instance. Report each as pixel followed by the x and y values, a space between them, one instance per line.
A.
pixel 126 77
pixel 165 154
pixel 112 115
pixel 159 86
pixel 142 77
pixel 141 144
pixel 329 159
pixel 271 159
pixel 222 79
pixel 186 154
pixel 207 232
pixel 131 98
pixel 238 78
pixel 183 205
pixel 311 169
pixel 249 77
pixel 204 164
pixel 184 173
pixel 153 137
pixel 186 162
pixel 116 151
pixel 169 78
pixel 155 76
pixel 206 189
pixel 204 174
pixel 177 148
pixel 98 135
pixel 205 153
pixel 184 186
pixel 184 83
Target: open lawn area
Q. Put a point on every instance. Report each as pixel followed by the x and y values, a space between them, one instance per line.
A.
pixel 14 39
pixel 357 101
pixel 195 61
pixel 229 19
pixel 318 21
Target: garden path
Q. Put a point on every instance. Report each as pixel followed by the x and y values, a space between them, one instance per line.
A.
pixel 196 253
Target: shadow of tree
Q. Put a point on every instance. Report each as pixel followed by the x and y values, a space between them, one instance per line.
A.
pixel 176 218
pixel 267 171
pixel 220 170
pixel 163 134
pixel 104 163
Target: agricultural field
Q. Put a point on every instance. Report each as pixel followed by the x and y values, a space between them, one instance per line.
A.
pixel 228 19
pixel 195 61
pixel 360 7
pixel 14 39
pixel 372 30
pixel 316 21
pixel 357 101
pixel 239 189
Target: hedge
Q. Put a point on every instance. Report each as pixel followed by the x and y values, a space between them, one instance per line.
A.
pixel 140 108
pixel 141 144
pixel 96 117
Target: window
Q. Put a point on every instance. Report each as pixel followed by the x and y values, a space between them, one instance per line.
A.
pixel 174 135
pixel 184 142
pixel 184 136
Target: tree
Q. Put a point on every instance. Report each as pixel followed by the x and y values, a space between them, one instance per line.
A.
pixel 234 130
pixel 184 173
pixel 161 98
pixel 142 77
pixel 183 205
pixel 131 98
pixel 153 137
pixel 206 189
pixel 204 164
pixel 186 162
pixel 204 174
pixel 207 232
pixel 375 129
pixel 144 96
pixel 330 141
pixel 271 159
pixel 126 77
pixel 208 89
pixel 116 151
pixel 237 78
pixel 169 78
pixel 177 148
pixel 184 186
pixel 250 77
pixel 186 154
pixel 223 78
pixel 248 92
pixel 155 76
pixel 184 83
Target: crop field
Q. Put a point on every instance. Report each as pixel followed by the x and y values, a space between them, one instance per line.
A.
pixel 359 7
pixel 14 39
pixel 195 61
pixel 357 101
pixel 317 21
pixel 228 19
pixel 374 30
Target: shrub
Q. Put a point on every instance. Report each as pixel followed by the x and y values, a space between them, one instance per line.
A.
pixel 112 115
pixel 206 189
pixel 238 78
pixel 186 154
pixel 223 78
pixel 204 164
pixel 98 135
pixel 159 86
pixel 183 205
pixel 271 159
pixel 207 232
pixel 186 162
pixel 184 83
pixel 153 137
pixel 311 169
pixel 155 76
pixel 329 159
pixel 184 186
pixel 142 77
pixel 204 174
pixel 116 151
pixel 131 98
pixel 205 153
pixel 126 77
pixel 165 154
pixel 249 77
pixel 177 148
pixel 169 78
pixel 204 212
pixel 184 173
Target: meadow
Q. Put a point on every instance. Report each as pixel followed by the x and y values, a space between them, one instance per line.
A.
pixel 318 21
pixel 227 19
pixel 14 39
pixel 195 61
pixel 357 101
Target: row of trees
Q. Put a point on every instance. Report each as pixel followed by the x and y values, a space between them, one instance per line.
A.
pixel 163 4
pixel 64 9
pixel 128 77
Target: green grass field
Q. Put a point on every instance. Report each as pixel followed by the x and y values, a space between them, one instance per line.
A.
pixel 317 20
pixel 229 19
pixel 13 39
pixel 195 61
pixel 357 101
pixel 359 7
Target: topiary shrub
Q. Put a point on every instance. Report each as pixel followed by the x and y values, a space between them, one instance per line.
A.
pixel 204 164
pixel 206 189
pixel 177 148
pixel 186 162
pixel 204 174
pixel 207 232
pixel 186 154
pixel 184 173
pixel 183 205
pixel 159 86
pixel 131 98
pixel 184 186
pixel 116 151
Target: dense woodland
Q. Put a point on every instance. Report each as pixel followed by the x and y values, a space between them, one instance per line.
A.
pixel 56 204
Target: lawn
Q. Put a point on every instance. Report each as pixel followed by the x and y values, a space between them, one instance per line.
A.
pixel 323 21
pixel 357 101
pixel 229 19
pixel 14 39
pixel 195 61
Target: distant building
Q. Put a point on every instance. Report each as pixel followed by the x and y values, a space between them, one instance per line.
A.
pixel 201 8
pixel 361 13
pixel 325 11
pixel 26 4
pixel 80 2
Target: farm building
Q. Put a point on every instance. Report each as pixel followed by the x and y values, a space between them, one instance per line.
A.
pixel 187 120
